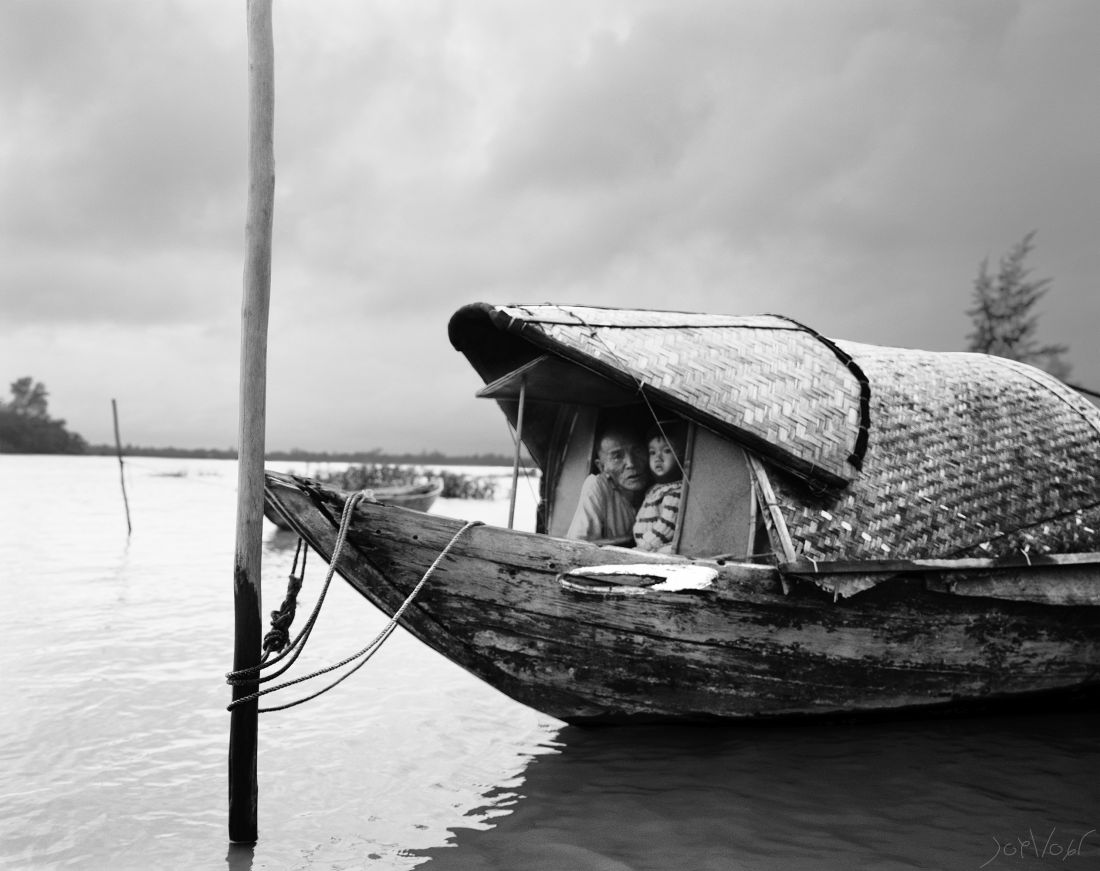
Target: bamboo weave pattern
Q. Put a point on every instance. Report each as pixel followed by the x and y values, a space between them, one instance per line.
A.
pixel 758 377
pixel 968 455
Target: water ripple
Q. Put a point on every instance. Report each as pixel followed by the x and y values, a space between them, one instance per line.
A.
pixel 113 744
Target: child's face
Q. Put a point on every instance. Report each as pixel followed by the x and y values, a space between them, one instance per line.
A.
pixel 662 460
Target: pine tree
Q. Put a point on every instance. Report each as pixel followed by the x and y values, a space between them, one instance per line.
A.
pixel 1005 323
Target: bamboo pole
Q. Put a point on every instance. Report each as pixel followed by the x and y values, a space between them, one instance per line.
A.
pixel 121 470
pixel 243 789
pixel 519 445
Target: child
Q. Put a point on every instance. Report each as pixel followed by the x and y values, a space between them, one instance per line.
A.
pixel 655 525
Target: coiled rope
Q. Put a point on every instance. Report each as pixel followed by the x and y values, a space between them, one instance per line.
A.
pixel 278 636
pixel 250 676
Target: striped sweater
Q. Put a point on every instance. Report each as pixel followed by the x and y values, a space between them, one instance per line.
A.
pixel 655 525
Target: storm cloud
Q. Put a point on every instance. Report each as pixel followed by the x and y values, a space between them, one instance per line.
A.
pixel 846 163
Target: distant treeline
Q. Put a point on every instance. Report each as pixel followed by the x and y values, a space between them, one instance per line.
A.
pixel 23 434
pixel 297 455
pixel 26 426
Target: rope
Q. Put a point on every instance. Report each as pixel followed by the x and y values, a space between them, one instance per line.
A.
pixel 250 675
pixel 365 653
pixel 278 637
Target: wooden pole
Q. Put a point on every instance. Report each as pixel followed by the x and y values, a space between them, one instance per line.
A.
pixel 121 471
pixel 243 791
pixel 519 444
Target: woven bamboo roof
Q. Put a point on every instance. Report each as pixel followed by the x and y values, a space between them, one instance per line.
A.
pixel 874 452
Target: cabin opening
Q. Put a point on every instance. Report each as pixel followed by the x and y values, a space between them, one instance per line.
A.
pixel 567 407
pixel 718 514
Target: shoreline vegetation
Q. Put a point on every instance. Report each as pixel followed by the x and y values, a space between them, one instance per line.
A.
pixel 456 485
pixel 26 427
pixel 59 441
pixel 376 456
pixel 22 433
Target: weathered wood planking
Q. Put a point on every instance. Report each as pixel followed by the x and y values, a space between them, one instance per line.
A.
pixel 739 649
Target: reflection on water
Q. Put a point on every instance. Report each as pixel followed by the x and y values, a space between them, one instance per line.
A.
pixel 114 737
pixel 240 857
pixel 886 795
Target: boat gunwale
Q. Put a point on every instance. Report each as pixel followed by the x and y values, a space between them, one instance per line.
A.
pixel 737 578
pixel 796 568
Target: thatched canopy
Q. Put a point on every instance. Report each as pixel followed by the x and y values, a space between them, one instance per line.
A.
pixel 873 452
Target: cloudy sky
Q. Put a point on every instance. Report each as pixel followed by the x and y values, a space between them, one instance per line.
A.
pixel 848 163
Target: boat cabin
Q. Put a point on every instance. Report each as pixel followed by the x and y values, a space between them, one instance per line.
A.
pixel 718 513
pixel 798 446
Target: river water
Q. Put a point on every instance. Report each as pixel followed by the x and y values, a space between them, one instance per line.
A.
pixel 114 734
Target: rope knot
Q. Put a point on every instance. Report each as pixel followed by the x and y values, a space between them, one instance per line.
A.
pixel 275 640
pixel 278 634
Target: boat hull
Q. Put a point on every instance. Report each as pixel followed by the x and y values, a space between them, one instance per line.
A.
pixel 751 644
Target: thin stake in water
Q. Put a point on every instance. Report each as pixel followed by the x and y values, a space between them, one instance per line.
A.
pixel 121 470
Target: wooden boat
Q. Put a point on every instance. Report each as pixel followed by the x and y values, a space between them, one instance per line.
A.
pixel 863 529
pixel 417 497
